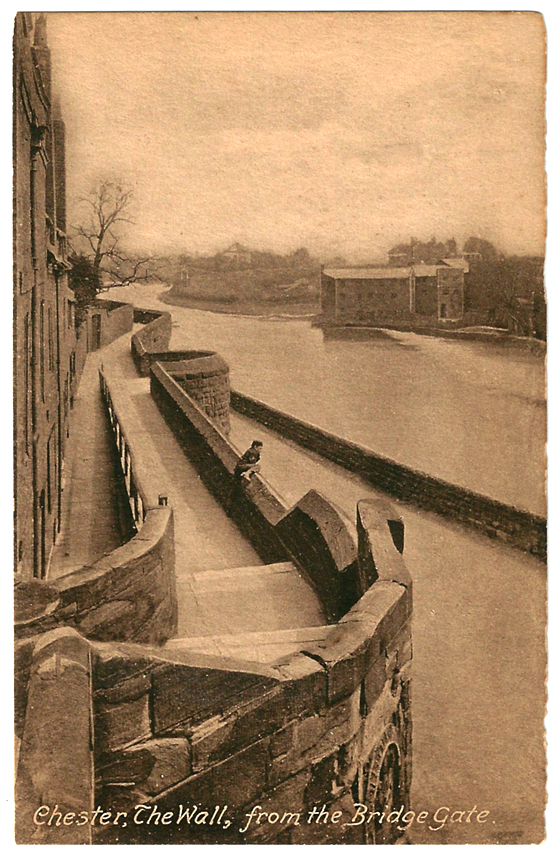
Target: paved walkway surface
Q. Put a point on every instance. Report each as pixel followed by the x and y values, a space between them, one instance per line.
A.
pixel 245 600
pixel 223 586
pixel 90 523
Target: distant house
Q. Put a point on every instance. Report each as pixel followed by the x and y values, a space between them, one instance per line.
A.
pixel 238 255
pixel 418 252
pixel 391 295
pixel 472 257
pixel 457 263
pixel 400 256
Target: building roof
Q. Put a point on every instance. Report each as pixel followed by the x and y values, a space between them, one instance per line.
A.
pixel 368 272
pixel 425 269
pixel 458 263
pixel 236 247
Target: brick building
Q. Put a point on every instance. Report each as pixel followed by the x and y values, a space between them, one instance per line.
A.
pixel 393 295
pixel 369 295
pixel 44 323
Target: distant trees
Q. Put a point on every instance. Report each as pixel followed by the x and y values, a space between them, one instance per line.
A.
pixel 299 260
pixel 509 292
pixel 420 252
pixel 484 248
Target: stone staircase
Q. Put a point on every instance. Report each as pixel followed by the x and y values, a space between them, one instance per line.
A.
pixel 261 647
pixel 259 613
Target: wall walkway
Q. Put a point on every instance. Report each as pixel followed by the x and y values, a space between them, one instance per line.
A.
pixel 328 710
pixel 92 522
pixel 205 538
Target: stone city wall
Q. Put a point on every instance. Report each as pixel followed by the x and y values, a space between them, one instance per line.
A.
pixel 328 729
pixel 203 374
pixel 212 740
pixel 324 732
pixel 116 319
pixel 153 337
pixel 516 527
pixel 55 765
pixel 313 534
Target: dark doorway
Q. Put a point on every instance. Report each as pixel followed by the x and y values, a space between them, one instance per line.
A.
pixel 96 334
pixel 42 537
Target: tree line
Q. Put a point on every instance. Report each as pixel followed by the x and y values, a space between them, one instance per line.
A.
pixel 500 290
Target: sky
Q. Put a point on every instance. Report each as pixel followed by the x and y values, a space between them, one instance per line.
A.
pixel 342 132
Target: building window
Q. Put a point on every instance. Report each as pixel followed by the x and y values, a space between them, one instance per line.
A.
pixel 50 342
pixel 41 357
pixel 27 378
pixel 48 478
pixel 443 312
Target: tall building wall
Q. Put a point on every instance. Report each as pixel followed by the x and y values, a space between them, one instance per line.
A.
pixel 426 301
pixel 451 293
pixel 44 333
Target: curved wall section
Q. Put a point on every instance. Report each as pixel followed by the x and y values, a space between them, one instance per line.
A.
pixel 204 375
pixel 128 594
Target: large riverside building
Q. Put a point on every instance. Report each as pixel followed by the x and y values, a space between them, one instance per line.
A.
pixel 393 295
pixel 44 327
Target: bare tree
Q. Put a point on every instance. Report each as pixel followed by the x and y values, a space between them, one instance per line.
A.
pixel 107 207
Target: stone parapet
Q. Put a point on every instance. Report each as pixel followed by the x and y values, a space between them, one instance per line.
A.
pixel 55 773
pixel 500 521
pixel 114 320
pixel 203 374
pixel 326 731
pixel 153 337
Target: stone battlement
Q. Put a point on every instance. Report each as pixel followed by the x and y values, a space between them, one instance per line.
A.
pixel 325 725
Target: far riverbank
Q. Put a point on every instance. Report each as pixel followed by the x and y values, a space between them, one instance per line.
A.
pixel 251 308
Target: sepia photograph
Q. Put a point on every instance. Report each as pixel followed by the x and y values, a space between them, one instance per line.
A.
pixel 279 427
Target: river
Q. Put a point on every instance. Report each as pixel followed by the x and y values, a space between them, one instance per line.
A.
pixel 472 413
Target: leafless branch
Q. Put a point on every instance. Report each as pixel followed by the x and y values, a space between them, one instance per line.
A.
pixel 107 207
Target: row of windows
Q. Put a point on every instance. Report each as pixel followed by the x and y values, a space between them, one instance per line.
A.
pixel 369 295
pixel 27 359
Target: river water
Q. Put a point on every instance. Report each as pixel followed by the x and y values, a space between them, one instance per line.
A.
pixel 471 413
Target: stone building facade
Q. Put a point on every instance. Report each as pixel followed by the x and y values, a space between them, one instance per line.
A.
pixel 392 295
pixel 44 327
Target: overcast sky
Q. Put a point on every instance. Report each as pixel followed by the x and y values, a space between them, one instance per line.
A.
pixel 345 133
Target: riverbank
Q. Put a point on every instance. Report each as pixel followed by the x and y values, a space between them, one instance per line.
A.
pixel 469 334
pixel 250 308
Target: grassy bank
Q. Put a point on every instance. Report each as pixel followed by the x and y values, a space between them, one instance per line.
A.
pixel 240 306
